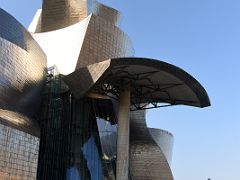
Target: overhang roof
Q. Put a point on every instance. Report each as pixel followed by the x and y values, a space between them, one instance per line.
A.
pixel 151 81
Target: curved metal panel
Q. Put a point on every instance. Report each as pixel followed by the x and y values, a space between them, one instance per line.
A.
pixel 59 14
pixel 74 43
pixel 20 122
pixel 12 31
pixel 22 67
pixel 80 81
pixel 35 25
pixel 63 46
pixel 164 140
pixel 103 40
pixel 152 81
pixel 147 161
pixel 107 13
pixel 171 84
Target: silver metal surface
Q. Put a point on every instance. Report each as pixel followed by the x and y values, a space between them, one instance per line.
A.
pixel 22 73
pixel 164 140
pixel 18 154
pixel 92 36
pixel 90 41
pixel 63 13
pixel 63 46
pixel 103 40
pixel 22 67
pixel 147 161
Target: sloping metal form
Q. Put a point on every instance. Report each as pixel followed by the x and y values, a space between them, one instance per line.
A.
pixel 82 39
pixel 164 140
pixel 63 45
pixel 152 82
pixel 22 74
pixel 22 67
pixel 63 13
pixel 103 40
pixel 147 160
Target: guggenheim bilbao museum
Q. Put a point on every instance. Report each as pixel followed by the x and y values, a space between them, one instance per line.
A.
pixel 73 98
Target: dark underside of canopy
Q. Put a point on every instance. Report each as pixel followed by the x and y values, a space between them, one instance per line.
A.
pixel 153 83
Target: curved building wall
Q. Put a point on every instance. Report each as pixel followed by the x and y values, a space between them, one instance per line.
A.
pixel 57 14
pixel 147 161
pixel 63 46
pixel 22 67
pixel 18 154
pixel 164 139
pixel 105 12
pixel 103 40
pixel 92 40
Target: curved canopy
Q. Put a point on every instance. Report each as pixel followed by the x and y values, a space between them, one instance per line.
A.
pixel 151 81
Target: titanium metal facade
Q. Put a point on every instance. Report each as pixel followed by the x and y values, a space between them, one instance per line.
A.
pixel 76 114
pixel 63 13
pixel 22 67
pixel 147 160
pixel 18 154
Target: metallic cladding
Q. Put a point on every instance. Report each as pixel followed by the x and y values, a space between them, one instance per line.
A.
pixel 22 67
pixel 57 14
pixel 11 30
pixel 147 161
pixel 18 154
pixel 107 13
pixel 164 139
pixel 103 40
pixel 63 46
pixel 98 53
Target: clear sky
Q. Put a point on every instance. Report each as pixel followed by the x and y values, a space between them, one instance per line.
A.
pixel 203 38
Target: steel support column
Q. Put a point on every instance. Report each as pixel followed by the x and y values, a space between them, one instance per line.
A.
pixel 123 135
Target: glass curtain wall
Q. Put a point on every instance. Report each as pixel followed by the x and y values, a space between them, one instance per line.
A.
pixel 76 137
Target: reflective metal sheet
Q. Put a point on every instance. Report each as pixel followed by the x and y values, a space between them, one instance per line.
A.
pixel 22 67
pixel 63 13
pixel 164 140
pixel 147 161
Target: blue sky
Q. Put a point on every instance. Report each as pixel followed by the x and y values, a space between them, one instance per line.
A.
pixel 203 38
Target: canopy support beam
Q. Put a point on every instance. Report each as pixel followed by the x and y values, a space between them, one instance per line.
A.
pixel 123 135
